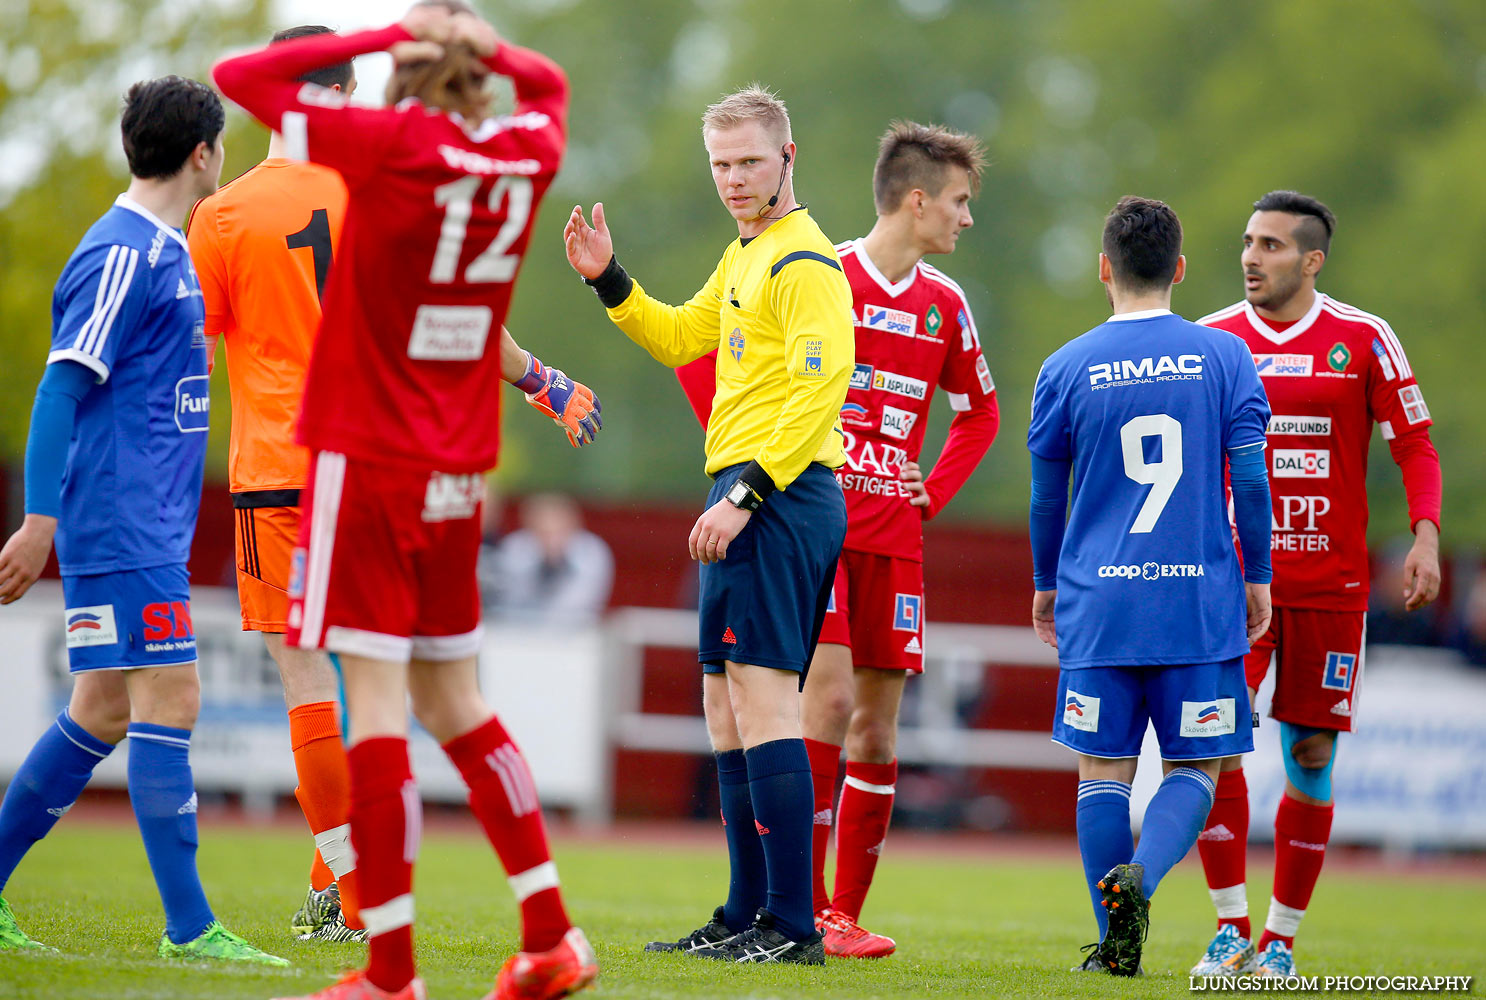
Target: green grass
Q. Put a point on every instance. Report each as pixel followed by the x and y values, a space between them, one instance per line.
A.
pixel 996 926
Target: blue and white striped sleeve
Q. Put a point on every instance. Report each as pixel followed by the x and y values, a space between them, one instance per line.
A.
pixel 101 296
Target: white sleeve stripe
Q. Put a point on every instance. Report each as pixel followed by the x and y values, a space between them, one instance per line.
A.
pixel 1385 334
pixel 1389 337
pixel 959 401
pixel 100 298
pixel 108 289
pixel 113 288
pixel 118 302
pixel 1213 317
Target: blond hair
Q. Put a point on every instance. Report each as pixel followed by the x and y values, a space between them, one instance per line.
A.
pixel 911 156
pixel 754 103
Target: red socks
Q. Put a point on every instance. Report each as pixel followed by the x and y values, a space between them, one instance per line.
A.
pixel 861 827
pixel 324 793
pixel 1223 845
pixel 825 758
pixel 504 798
pixel 386 825
pixel 1301 832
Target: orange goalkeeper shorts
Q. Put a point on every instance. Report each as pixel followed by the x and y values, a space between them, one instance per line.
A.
pixel 266 536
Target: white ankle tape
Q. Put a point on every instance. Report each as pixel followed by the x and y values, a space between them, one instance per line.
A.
pixel 534 880
pixel 1283 920
pixel 1232 902
pixel 335 849
pixel 389 916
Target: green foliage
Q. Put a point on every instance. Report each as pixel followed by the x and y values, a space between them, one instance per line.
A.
pixel 967 924
pixel 1374 106
pixel 64 68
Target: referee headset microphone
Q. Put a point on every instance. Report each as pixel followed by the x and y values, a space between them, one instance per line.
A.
pixel 774 198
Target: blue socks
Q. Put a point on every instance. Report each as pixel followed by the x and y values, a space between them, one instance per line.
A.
pixel 783 796
pixel 749 882
pixel 164 801
pixel 1172 822
pixel 45 787
pixel 1104 837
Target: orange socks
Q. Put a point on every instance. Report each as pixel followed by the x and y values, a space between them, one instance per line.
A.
pixel 324 793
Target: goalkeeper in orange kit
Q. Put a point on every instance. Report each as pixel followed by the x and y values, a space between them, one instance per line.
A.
pixel 263 246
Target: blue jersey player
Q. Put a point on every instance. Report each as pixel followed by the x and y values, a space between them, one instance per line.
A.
pixel 1152 617
pixel 113 473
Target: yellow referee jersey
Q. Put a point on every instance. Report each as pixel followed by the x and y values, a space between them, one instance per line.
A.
pixel 778 311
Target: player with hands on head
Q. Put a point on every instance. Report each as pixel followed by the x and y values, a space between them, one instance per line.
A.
pixel 114 461
pixel 1331 372
pixel 400 414
pixel 914 331
pixel 1138 586
pixel 779 308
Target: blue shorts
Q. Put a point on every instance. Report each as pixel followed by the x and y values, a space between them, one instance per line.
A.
pixel 135 618
pixel 1199 711
pixel 765 602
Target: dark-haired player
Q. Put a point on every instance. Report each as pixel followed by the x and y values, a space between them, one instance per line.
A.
pixel 1331 371
pixel 401 413
pixel 262 246
pixel 114 461
pixel 914 332
pixel 1152 618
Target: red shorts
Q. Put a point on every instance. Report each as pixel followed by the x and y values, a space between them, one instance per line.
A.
pixel 877 609
pixel 1320 666
pixel 385 566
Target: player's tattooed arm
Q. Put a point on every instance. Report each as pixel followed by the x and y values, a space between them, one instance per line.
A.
pixel 1042 616
pixel 1421 568
pixel 1256 596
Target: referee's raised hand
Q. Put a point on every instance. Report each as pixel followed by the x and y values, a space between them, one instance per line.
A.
pixel 589 248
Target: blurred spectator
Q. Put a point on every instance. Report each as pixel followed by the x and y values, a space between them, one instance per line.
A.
pixel 550 570
pixel 1470 633
pixel 1387 621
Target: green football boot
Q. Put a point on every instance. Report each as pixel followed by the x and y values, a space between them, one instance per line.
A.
pixel 12 938
pixel 217 942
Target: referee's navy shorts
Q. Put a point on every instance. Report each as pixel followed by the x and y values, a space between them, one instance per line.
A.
pixel 764 604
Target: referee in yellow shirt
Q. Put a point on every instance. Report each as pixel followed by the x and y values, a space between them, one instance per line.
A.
pixel 778 311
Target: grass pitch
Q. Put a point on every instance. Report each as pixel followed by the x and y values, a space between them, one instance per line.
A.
pixel 966 927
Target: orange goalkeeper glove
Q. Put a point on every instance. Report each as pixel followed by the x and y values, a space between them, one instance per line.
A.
pixel 571 405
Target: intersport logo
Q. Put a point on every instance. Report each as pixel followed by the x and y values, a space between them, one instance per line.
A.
pixel 1135 371
pixel 1151 571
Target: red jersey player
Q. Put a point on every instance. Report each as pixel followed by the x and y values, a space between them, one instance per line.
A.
pixel 1331 371
pixel 401 411
pixel 913 331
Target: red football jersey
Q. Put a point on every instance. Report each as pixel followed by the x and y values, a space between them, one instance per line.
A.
pixel 910 337
pixel 406 368
pixel 1329 377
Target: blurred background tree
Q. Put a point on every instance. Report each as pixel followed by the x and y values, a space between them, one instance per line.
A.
pixel 1375 106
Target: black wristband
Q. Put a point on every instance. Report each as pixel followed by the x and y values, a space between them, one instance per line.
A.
pixel 757 480
pixel 613 286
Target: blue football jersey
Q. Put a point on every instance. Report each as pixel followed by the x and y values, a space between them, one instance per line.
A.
pixel 129 308
pixel 1145 407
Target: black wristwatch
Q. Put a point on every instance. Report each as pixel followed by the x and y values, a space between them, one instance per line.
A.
pixel 751 489
pixel 743 497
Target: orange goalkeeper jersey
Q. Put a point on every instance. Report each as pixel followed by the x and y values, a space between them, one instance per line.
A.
pixel 262 246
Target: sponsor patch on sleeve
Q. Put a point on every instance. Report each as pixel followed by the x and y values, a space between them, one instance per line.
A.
pixel 1414 406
